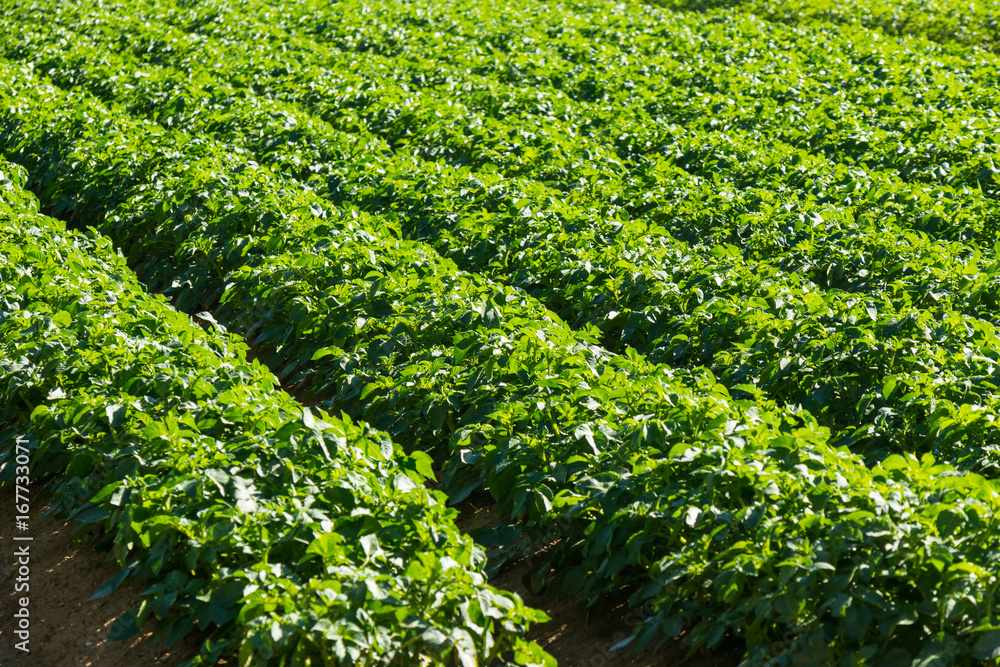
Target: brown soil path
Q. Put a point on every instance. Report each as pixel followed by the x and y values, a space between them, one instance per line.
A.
pixel 67 628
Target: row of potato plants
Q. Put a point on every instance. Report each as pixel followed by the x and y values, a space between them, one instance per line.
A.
pixel 798 339
pixel 970 23
pixel 898 148
pixel 858 121
pixel 598 444
pixel 288 534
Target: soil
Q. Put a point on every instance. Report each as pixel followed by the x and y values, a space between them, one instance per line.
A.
pixel 67 628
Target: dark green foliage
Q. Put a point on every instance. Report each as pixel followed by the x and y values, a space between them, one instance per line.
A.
pixel 291 534
pixel 624 269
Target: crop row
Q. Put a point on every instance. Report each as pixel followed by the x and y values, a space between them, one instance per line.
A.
pixel 970 23
pixel 798 98
pixel 626 458
pixel 848 329
pixel 291 533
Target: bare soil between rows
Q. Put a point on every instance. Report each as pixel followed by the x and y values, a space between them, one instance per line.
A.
pixel 67 628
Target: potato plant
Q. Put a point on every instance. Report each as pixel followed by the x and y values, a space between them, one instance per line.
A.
pixel 707 293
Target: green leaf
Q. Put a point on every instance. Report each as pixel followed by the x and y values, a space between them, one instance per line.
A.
pixel 110 585
pixel 950 521
pixel 124 627
pixel 62 319
pixel 307 419
pixel 326 546
pixel 888 387
pixel 435 640
pixel 423 464
pixel 987 647
pixel 115 414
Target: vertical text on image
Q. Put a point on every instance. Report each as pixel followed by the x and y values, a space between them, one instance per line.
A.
pixel 22 552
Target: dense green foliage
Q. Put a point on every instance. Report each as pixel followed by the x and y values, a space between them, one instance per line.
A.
pixel 973 22
pixel 300 535
pixel 638 274
pixel 746 195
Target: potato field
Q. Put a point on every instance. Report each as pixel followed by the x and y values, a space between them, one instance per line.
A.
pixel 700 298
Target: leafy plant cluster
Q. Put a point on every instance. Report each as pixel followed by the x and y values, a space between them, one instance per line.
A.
pixel 516 237
pixel 294 535
pixel 971 23
pixel 821 221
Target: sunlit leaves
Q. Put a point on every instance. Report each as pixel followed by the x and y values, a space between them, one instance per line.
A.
pixel 225 497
